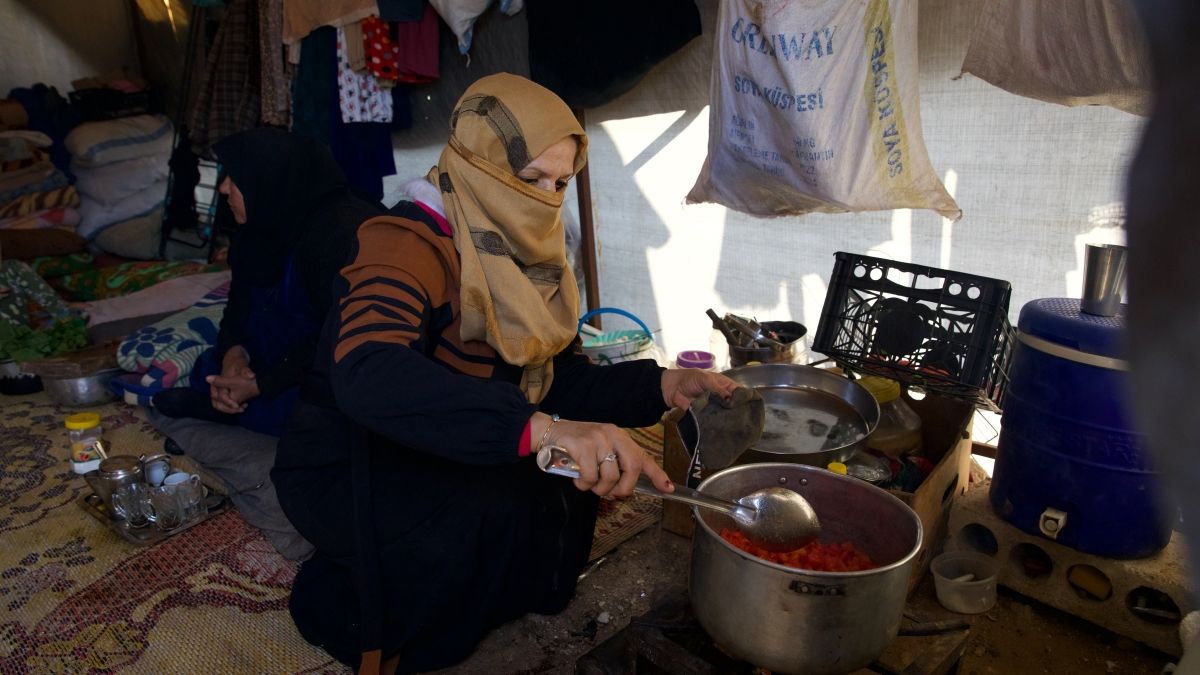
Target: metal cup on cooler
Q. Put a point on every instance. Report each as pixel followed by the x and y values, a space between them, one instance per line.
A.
pixel 1103 279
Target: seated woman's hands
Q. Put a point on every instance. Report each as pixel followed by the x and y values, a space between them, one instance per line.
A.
pixel 235 385
pixel 681 385
pixel 591 445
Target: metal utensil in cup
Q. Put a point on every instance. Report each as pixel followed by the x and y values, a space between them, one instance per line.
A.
pixel 719 323
pixel 774 518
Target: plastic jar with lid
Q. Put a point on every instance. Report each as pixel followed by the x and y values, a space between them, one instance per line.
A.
pixel 84 431
pixel 899 430
pixel 696 359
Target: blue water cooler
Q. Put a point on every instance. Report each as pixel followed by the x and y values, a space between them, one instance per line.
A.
pixel 1070 465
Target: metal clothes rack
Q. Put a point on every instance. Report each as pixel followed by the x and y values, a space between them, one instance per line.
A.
pixel 205 232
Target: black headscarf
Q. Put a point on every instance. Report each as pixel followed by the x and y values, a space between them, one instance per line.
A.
pixel 284 179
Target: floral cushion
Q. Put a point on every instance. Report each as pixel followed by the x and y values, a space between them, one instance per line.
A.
pixel 165 352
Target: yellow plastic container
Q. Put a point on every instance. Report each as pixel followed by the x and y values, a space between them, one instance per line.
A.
pixel 84 431
pixel 899 430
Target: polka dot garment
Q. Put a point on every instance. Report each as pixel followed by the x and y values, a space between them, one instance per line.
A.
pixel 381 51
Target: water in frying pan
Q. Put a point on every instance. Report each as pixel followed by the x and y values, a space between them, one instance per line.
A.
pixel 801 421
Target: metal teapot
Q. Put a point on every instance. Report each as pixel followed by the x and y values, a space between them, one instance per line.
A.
pixel 114 472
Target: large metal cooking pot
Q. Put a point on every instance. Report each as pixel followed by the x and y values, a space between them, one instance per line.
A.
pixel 793 621
pixel 813 416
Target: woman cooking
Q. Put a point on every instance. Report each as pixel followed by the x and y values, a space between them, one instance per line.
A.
pixel 449 360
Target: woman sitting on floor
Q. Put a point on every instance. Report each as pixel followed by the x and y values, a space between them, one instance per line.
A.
pixel 297 218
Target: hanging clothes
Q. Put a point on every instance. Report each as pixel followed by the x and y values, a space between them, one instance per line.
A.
pixel 401 10
pixel 360 97
pixel 362 149
pixel 417 48
pixel 301 17
pixel 229 98
pixel 276 97
pixel 381 51
pixel 356 53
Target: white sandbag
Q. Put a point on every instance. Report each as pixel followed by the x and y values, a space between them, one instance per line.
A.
pixel 96 143
pixel 815 107
pixel 94 216
pixel 1070 52
pixel 136 238
pixel 112 183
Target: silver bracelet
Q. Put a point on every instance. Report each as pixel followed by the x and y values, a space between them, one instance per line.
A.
pixel 546 433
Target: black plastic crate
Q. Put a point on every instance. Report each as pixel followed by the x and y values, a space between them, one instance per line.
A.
pixel 943 331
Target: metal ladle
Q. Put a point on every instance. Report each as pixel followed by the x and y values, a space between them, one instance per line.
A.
pixel 774 518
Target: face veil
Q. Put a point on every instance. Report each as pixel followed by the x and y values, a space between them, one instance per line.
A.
pixel 518 292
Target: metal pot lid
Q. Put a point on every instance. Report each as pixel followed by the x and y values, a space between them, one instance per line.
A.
pixel 119 466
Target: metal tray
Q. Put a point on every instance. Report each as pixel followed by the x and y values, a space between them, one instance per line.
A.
pixel 148 535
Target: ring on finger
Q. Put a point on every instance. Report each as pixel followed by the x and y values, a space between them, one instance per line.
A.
pixel 610 457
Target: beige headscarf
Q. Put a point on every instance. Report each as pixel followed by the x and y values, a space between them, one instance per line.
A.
pixel 518 292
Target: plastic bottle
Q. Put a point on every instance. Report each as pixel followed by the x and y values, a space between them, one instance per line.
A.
pixel 899 430
pixel 84 431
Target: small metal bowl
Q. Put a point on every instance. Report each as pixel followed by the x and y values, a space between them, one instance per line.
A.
pixel 82 391
pixel 790 347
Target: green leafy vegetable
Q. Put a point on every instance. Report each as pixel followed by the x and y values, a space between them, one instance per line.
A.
pixel 23 344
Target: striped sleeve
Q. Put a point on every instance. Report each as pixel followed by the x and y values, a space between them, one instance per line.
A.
pixel 386 375
pixel 394 280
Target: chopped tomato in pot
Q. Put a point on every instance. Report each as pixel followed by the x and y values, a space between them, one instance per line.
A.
pixel 818 557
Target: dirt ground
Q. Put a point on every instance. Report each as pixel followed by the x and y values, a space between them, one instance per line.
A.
pixel 1024 636
pixel 1017 636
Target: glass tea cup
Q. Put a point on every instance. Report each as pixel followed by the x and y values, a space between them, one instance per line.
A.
pixel 163 506
pixel 127 503
pixel 190 492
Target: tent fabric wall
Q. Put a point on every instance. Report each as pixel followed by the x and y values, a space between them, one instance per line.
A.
pixel 1036 182
pixel 57 42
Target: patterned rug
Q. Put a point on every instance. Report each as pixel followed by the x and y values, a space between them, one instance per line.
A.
pixel 76 598
pixel 619 520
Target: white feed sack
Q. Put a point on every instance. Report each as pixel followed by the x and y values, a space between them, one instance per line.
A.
pixel 815 107
pixel 1070 52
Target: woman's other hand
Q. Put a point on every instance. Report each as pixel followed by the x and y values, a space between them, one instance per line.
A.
pixel 681 385
pixel 230 394
pixel 236 384
pixel 609 460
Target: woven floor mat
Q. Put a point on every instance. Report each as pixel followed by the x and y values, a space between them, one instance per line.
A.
pixel 76 598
